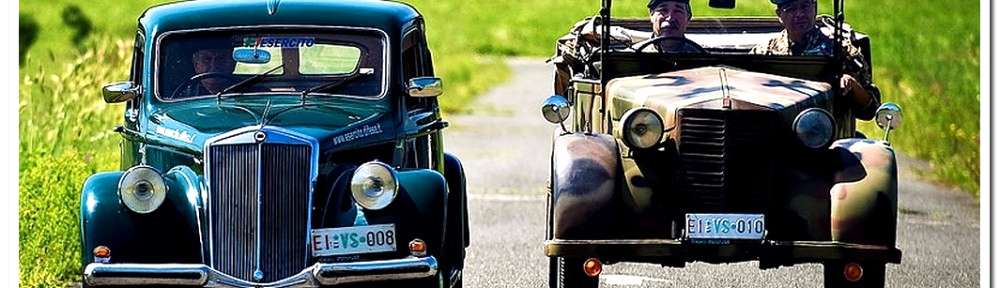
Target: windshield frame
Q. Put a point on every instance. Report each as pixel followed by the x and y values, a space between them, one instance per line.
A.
pixel 382 35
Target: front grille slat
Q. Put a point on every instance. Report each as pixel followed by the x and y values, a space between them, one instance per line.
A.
pixel 724 160
pixel 278 175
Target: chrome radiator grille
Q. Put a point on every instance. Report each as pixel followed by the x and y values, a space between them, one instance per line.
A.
pixel 258 208
pixel 726 158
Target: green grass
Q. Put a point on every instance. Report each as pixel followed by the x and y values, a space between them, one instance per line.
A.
pixel 926 57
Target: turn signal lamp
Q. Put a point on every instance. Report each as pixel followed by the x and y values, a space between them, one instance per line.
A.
pixel 102 254
pixel 853 272
pixel 418 248
pixel 592 267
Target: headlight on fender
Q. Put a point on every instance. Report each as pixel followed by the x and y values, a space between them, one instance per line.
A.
pixel 141 189
pixel 641 128
pixel 814 127
pixel 374 185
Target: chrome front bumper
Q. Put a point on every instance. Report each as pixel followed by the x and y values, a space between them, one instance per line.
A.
pixel 326 274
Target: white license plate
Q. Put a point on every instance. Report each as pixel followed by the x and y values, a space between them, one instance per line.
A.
pixel 353 240
pixel 725 226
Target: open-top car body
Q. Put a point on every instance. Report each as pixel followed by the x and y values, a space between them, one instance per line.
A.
pixel 717 157
pixel 278 143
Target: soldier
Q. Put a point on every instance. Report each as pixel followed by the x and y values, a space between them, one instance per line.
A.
pixel 670 18
pixel 802 36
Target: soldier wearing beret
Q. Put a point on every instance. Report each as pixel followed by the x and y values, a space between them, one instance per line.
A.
pixel 670 18
pixel 802 36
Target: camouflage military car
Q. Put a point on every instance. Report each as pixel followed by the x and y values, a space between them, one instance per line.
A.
pixel 275 143
pixel 715 157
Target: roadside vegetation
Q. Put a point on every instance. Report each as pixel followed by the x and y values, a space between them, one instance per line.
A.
pixel 69 50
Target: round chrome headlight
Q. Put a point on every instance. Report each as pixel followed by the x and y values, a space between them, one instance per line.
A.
pixel 641 128
pixel 141 189
pixel 814 127
pixel 374 185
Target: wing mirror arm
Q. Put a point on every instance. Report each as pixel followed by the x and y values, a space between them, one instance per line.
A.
pixel 888 116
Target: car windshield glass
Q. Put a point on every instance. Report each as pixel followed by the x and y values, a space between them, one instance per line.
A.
pixel 203 63
pixel 752 27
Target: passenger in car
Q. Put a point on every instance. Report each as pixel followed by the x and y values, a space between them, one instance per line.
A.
pixel 670 19
pixel 803 36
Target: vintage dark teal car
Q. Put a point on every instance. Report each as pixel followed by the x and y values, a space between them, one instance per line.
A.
pixel 278 143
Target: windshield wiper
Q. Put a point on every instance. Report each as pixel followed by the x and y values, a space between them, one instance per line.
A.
pixel 331 85
pixel 246 82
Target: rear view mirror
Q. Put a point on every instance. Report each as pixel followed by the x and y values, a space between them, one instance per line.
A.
pixel 119 92
pixel 251 55
pixel 888 116
pixel 555 109
pixel 424 87
pixel 725 4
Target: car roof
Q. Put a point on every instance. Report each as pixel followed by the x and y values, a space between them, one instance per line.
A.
pixel 387 16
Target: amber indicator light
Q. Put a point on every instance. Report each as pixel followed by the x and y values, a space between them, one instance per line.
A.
pixel 853 272
pixel 592 267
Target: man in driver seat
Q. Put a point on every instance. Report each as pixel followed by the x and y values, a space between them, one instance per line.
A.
pixel 803 36
pixel 212 60
pixel 670 18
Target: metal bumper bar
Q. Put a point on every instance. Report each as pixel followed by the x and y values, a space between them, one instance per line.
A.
pixel 794 251
pixel 326 274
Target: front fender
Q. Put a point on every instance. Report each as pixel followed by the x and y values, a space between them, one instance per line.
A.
pixel 585 172
pixel 419 208
pixel 171 234
pixel 864 210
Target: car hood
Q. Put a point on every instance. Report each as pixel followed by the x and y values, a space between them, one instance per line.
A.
pixel 191 123
pixel 704 88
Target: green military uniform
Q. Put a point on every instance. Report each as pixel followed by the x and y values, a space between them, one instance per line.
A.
pixel 818 42
pixel 679 48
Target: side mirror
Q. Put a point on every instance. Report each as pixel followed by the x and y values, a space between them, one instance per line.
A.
pixel 120 92
pixel 888 116
pixel 424 87
pixel 555 109
pixel 251 55
pixel 725 4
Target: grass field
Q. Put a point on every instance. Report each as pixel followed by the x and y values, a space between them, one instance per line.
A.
pixel 930 68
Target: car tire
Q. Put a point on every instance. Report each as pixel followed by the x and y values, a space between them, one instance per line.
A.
pixel 873 276
pixel 569 274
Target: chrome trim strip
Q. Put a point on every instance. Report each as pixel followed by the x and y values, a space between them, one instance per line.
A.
pixel 245 135
pixel 325 274
pixel 385 56
pixel 260 192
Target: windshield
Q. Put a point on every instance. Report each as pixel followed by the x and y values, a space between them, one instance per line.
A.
pixel 752 27
pixel 205 63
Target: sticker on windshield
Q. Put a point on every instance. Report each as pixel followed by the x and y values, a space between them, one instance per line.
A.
pixel 365 131
pixel 286 42
pixel 183 136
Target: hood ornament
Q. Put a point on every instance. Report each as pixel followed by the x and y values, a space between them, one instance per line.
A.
pixel 272 6
pixel 727 101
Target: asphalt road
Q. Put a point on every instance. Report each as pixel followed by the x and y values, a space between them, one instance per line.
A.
pixel 505 147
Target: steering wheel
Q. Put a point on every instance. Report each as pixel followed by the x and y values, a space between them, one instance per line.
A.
pixel 686 41
pixel 199 77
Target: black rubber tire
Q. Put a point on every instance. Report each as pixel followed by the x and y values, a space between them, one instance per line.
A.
pixel 570 274
pixel 873 276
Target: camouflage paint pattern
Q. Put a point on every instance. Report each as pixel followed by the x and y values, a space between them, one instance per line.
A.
pixel 585 169
pixel 702 87
pixel 864 211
